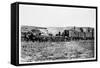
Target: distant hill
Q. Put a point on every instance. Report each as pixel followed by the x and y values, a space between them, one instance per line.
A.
pixel 29 28
pixel 52 30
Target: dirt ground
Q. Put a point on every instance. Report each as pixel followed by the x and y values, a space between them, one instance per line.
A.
pixel 42 51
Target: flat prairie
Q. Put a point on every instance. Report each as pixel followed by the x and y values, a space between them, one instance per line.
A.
pixel 43 51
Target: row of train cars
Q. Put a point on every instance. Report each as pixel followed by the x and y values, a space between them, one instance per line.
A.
pixel 66 35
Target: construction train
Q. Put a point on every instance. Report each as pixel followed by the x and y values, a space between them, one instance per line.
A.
pixel 66 35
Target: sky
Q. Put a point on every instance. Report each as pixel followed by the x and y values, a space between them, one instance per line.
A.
pixel 48 16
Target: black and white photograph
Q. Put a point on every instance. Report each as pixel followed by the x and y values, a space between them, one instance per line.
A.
pixel 50 34
pixel 53 33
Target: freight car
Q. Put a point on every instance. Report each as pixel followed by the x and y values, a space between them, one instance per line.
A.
pixel 89 35
pixel 81 35
pixel 73 35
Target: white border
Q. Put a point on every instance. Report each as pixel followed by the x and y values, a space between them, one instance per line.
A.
pixel 51 60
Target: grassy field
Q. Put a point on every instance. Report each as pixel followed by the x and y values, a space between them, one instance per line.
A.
pixel 42 51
